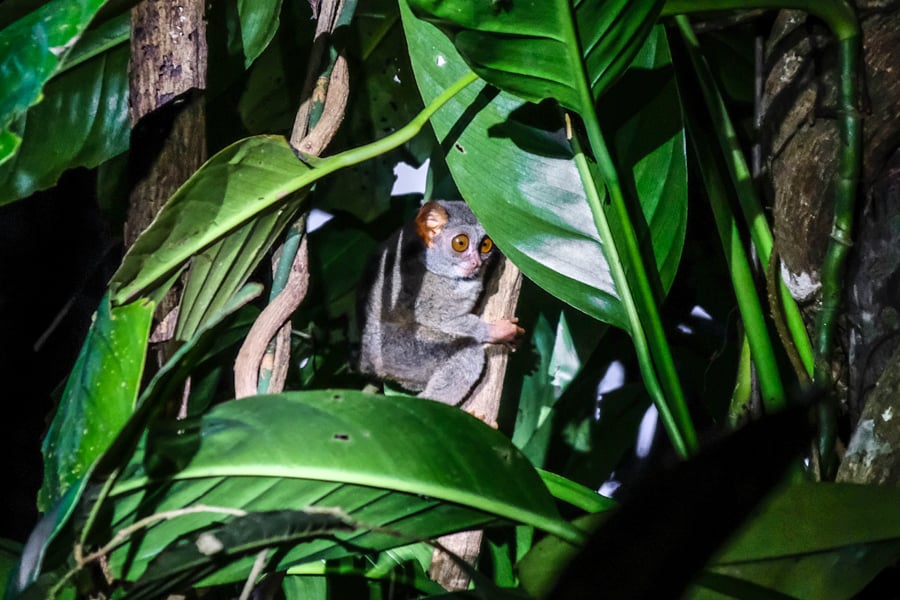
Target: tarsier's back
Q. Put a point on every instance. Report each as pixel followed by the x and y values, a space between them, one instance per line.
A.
pixel 416 301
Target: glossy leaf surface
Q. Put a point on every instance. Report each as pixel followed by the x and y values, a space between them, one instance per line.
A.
pixel 513 164
pixel 31 49
pixel 253 176
pixel 99 396
pixel 568 51
pixel 338 450
pixel 259 22
pixel 81 121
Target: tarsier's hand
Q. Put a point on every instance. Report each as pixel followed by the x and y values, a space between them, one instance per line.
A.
pixel 505 331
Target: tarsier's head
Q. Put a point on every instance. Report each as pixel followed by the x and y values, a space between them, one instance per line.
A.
pixel 457 244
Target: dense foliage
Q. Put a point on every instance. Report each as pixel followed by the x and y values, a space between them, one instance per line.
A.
pixel 573 142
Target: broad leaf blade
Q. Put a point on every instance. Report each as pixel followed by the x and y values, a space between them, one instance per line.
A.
pixel 418 468
pixel 814 540
pixel 512 163
pixel 31 50
pixel 218 272
pixel 82 121
pixel 189 560
pixel 807 517
pixel 99 396
pixel 834 574
pixel 252 176
pixel 569 51
pixel 259 22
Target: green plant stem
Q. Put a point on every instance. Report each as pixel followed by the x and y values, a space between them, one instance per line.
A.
pixel 742 280
pixel 773 396
pixel 760 232
pixel 649 338
pixel 740 397
pixel 833 267
pixel 355 156
pixel 574 493
pixel 288 252
pixel 840 17
pixel 626 262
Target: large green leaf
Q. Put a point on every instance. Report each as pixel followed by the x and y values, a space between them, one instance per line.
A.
pixel 31 49
pixel 187 563
pixel 413 467
pixel 569 51
pixel 86 496
pixel 822 541
pixel 589 45
pixel 251 177
pixel 259 22
pixel 82 121
pixel 218 272
pixel 808 517
pixel 99 396
pixel 511 161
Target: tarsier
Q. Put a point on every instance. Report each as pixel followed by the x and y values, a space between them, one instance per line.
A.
pixel 416 301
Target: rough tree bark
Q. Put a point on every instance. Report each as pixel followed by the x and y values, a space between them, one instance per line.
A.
pixel 801 141
pixel 502 296
pixel 167 71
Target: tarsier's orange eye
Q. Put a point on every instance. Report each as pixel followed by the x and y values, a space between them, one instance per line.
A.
pixel 487 244
pixel 460 242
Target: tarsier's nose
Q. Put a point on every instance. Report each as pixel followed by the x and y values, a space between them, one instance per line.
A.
pixel 472 265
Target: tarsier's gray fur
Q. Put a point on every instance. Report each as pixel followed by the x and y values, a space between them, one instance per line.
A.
pixel 415 308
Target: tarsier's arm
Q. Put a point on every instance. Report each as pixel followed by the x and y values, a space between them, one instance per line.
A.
pixel 502 331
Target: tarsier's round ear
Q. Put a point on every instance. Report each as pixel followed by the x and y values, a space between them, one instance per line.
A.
pixel 430 221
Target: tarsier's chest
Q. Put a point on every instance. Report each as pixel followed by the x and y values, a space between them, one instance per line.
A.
pixel 447 296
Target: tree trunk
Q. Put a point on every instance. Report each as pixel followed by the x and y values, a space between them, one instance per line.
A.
pixel 801 141
pixel 168 140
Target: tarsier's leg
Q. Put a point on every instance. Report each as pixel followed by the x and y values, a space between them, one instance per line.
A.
pixel 454 378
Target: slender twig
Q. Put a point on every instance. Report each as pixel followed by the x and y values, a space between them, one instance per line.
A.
pixel 258 565
pixel 124 534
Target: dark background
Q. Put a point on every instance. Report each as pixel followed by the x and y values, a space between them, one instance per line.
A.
pixel 56 256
